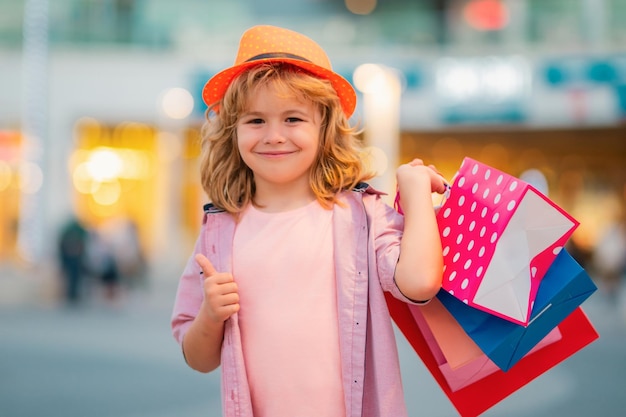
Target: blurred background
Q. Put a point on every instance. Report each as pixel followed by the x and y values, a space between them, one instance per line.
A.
pixel 100 201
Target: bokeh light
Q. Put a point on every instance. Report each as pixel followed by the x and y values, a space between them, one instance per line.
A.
pixel 361 7
pixel 104 164
pixel 486 14
pixel 177 103
pixel 370 78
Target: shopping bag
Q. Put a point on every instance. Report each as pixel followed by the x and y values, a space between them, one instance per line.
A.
pixel 474 399
pixel 446 334
pixel 453 344
pixel 499 236
pixel 565 286
pixel 482 366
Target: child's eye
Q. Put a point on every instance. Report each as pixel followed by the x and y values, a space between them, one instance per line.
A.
pixel 293 119
pixel 255 121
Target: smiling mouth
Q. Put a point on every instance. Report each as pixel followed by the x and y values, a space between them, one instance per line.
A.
pixel 276 153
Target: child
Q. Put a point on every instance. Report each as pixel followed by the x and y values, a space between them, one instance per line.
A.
pixel 285 288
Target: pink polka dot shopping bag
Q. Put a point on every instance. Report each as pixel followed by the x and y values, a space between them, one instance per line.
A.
pixel 499 237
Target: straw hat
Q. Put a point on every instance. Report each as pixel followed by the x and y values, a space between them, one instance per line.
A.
pixel 261 44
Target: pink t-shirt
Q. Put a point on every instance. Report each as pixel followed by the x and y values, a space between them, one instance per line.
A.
pixel 284 268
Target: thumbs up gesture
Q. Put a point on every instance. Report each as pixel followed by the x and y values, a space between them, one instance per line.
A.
pixel 221 299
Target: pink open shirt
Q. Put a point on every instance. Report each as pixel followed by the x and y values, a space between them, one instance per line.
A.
pixel 367 235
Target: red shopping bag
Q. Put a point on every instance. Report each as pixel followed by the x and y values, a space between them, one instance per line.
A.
pixel 499 236
pixel 472 400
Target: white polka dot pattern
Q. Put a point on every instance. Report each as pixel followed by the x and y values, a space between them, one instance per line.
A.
pixel 481 202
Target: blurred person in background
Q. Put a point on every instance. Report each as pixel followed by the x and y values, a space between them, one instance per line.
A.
pixel 103 265
pixel 72 251
pixel 115 257
pixel 122 237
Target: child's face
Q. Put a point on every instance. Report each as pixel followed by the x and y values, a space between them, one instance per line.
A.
pixel 278 138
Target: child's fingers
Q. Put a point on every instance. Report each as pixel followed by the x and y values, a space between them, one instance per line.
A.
pixel 442 187
pixel 205 264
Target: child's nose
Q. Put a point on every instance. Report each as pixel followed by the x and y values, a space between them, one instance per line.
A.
pixel 274 134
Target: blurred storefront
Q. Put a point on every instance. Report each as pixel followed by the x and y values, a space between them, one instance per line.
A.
pixel 114 172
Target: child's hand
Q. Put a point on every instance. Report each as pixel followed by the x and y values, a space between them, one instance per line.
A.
pixel 408 173
pixel 221 299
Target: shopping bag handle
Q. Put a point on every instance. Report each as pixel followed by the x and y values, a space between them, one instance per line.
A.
pixel 446 194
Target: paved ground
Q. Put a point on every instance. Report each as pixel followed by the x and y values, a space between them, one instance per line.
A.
pixel 100 361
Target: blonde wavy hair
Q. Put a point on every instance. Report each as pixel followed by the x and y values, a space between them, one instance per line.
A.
pixel 227 180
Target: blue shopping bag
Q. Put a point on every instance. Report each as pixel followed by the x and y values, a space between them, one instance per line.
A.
pixel 565 286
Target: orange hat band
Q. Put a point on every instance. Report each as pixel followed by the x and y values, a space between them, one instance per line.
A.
pixel 274 55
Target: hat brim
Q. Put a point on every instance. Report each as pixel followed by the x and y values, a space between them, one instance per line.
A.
pixel 216 87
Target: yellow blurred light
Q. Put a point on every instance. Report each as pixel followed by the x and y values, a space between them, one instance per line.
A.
pixel 5 175
pixel 99 211
pixel 136 164
pixel 106 193
pixel 104 164
pixel 81 179
pixel 76 158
